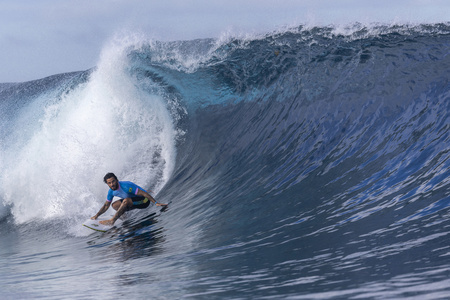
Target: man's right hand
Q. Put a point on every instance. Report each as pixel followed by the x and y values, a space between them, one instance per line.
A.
pixel 94 217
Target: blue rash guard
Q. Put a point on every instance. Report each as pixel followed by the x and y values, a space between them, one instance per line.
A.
pixel 126 189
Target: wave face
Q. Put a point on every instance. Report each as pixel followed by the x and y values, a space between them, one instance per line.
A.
pixel 307 163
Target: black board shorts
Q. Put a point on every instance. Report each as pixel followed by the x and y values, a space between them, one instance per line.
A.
pixel 139 202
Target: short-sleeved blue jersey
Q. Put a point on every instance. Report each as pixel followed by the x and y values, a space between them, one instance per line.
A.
pixel 127 189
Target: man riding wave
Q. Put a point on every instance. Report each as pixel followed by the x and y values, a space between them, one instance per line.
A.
pixel 132 197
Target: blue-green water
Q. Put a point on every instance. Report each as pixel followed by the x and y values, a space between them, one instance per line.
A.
pixel 306 164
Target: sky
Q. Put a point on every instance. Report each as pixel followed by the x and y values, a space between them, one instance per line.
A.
pixel 47 37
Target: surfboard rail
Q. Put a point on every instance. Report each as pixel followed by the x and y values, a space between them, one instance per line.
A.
pixel 95 225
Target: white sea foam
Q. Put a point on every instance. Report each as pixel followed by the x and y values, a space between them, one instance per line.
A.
pixel 107 124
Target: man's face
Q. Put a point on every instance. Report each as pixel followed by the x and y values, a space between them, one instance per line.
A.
pixel 112 183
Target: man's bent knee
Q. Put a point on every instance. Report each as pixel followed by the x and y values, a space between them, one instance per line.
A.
pixel 116 205
pixel 128 202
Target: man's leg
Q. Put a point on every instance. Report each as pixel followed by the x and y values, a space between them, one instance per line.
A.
pixel 121 207
pixel 126 203
pixel 116 205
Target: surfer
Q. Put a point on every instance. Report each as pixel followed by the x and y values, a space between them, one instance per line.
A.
pixel 133 196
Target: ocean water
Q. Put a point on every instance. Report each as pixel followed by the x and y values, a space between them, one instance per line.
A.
pixel 307 163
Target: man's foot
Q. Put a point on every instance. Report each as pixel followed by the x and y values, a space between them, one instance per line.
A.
pixel 107 222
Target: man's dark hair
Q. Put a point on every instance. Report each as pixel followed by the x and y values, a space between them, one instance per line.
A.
pixel 109 175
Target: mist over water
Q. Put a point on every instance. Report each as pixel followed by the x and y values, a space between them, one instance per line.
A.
pixel 308 163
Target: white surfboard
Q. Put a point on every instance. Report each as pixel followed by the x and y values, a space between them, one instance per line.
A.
pixel 95 225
